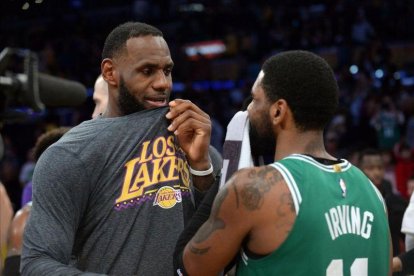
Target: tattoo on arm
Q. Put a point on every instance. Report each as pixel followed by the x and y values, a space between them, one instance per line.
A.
pixel 237 195
pixel 212 224
pixel 259 182
pixel 284 210
pixel 199 251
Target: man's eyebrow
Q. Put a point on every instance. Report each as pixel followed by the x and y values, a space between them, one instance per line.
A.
pixel 154 64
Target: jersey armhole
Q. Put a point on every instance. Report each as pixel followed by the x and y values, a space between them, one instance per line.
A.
pixel 291 183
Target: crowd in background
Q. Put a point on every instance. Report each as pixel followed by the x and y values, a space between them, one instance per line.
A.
pixel 370 44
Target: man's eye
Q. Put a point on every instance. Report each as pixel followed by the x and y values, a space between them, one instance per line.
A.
pixel 168 71
pixel 147 71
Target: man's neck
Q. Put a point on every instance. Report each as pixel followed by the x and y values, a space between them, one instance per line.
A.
pixel 309 142
pixel 111 112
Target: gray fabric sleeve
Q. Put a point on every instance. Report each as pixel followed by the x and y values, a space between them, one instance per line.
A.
pixel 60 191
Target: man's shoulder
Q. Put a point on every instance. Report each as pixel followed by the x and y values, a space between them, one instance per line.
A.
pixel 101 128
pixel 261 178
pixel 259 189
pixel 98 139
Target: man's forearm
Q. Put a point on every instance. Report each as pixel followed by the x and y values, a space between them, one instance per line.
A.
pixel 44 265
pixel 201 215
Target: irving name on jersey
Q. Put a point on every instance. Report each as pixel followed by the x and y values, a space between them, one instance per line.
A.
pixel 345 219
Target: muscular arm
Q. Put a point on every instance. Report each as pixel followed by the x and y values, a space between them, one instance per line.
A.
pixel 245 204
pixel 219 238
pixel 59 199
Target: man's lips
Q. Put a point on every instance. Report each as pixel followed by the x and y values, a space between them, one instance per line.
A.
pixel 156 102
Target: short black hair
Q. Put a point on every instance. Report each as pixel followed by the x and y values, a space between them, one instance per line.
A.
pixel 369 152
pixel 117 38
pixel 306 82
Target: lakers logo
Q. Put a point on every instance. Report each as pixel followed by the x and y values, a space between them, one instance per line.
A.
pixel 167 197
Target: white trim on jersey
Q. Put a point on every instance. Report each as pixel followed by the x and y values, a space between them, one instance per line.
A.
pixel 379 195
pixel 290 181
pixel 244 257
pixel 345 165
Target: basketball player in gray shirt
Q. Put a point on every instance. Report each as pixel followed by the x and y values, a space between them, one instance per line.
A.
pixel 112 196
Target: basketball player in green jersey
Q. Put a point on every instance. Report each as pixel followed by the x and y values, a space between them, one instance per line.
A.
pixel 308 213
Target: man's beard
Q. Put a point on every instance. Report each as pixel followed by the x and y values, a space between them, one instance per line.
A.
pixel 126 101
pixel 262 139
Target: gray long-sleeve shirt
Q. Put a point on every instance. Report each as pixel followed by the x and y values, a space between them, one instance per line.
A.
pixel 110 197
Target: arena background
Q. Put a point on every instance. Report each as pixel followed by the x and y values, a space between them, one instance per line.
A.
pixel 218 47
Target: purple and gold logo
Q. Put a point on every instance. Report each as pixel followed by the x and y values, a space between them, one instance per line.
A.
pixel 167 197
pixel 160 162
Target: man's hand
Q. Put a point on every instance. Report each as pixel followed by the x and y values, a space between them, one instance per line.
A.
pixel 396 264
pixel 192 126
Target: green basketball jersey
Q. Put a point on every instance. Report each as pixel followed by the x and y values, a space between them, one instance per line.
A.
pixel 341 228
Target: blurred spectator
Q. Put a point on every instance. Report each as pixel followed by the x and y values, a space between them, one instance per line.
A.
pixel 388 121
pixel 372 164
pixel 362 30
pixel 6 215
pixel 42 143
pixel 389 167
pixel 404 167
pixel 26 171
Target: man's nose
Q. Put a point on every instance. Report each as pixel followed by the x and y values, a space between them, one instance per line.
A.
pixel 162 81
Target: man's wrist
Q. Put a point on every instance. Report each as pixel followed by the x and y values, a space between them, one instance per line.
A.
pixel 202 172
pixel 200 165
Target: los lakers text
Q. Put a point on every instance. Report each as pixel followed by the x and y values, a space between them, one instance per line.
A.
pixel 159 173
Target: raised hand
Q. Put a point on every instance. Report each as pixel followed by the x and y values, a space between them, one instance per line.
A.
pixel 192 126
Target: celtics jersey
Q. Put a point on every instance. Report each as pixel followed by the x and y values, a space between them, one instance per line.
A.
pixel 341 228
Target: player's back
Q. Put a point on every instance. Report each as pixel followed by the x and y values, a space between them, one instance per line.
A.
pixel 340 229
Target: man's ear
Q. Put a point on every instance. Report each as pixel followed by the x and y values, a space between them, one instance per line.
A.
pixel 278 111
pixel 109 73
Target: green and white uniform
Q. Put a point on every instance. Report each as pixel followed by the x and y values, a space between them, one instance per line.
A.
pixel 341 226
